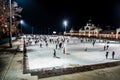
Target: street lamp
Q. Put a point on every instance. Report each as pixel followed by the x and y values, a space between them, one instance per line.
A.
pixel 21 22
pixel 32 30
pixel 65 23
pixel 54 32
pixel 10 25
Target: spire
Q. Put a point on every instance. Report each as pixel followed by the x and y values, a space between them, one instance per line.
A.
pixel 90 19
pixel 89 23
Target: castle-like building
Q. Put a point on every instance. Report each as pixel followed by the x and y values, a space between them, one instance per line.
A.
pixel 90 30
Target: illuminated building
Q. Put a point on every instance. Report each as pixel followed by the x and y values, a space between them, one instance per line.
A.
pixel 90 30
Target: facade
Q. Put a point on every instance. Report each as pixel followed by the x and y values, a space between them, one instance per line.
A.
pixel 90 30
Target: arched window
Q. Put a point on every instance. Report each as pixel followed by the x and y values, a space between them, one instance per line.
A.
pixel 87 28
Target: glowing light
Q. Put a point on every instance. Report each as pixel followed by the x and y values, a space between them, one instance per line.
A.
pixel 65 23
pixel 54 32
pixel 21 21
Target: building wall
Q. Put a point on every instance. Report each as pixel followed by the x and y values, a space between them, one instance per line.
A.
pixel 91 34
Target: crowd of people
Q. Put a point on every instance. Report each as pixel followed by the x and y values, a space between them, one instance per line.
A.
pixel 60 41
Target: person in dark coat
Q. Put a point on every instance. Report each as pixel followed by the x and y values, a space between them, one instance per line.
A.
pixel 54 53
pixel 107 54
pixel 40 44
pixel 104 47
pixel 107 47
pixel 113 54
pixel 56 46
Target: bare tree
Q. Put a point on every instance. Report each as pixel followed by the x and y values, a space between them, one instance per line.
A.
pixel 5 18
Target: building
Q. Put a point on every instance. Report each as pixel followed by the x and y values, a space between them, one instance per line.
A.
pixel 90 30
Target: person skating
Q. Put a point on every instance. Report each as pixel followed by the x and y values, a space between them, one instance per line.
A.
pixel 113 54
pixel 54 54
pixel 107 54
pixel 64 50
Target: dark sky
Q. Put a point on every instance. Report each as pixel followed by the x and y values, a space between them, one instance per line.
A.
pixel 44 14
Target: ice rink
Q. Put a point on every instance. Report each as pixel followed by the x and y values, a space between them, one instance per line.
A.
pixel 75 53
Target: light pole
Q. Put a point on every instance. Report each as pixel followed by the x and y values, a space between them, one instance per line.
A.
pixel 65 23
pixel 48 30
pixel 32 30
pixel 10 25
pixel 21 23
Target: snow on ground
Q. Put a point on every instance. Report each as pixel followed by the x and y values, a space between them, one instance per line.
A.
pixel 75 54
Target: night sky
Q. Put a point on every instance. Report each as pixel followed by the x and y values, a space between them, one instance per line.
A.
pixel 48 15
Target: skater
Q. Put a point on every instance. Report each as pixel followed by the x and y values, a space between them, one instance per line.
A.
pixel 40 44
pixel 104 48
pixel 67 40
pixel 93 43
pixel 107 47
pixel 60 45
pixel 56 46
pixel 107 54
pixel 85 49
pixel 113 54
pixel 54 53
pixel 64 50
pixel 46 44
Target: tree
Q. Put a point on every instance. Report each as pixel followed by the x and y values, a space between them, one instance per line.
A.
pixel 5 18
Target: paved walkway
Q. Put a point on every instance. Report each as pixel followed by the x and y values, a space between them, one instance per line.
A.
pixel 11 61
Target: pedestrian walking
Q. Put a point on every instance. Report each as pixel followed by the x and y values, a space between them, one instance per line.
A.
pixel 113 54
pixel 54 54
pixel 107 54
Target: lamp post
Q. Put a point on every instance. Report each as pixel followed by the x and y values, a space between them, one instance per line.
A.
pixel 32 30
pixel 48 31
pixel 65 23
pixel 21 23
pixel 10 25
